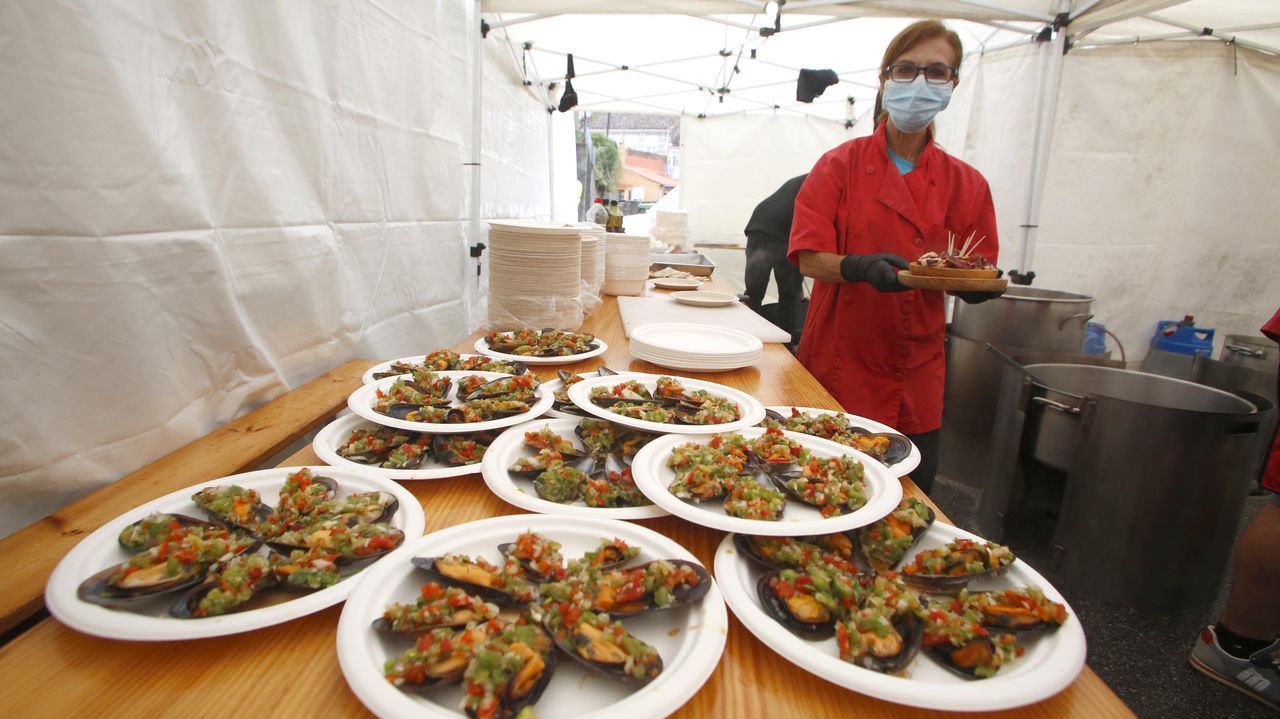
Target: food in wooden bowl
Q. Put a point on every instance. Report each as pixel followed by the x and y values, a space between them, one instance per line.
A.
pixel 955 264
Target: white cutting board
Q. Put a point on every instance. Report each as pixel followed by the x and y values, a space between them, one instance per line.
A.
pixel 662 307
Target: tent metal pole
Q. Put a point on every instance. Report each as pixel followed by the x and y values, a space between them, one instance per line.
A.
pixel 1012 12
pixel 473 200
pixel 551 166
pixel 1220 34
pixel 1047 105
pixel 519 20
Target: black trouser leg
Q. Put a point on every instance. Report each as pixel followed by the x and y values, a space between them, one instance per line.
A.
pixel 927 443
pixel 790 289
pixel 759 265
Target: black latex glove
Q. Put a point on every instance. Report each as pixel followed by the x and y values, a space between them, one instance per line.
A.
pixel 876 270
pixel 974 298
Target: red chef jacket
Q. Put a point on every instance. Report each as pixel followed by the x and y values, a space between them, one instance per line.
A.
pixel 1271 475
pixel 880 353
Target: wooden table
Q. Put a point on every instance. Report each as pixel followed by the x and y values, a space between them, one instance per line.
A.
pixel 292 669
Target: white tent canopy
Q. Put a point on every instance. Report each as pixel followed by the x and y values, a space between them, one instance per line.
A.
pixel 209 203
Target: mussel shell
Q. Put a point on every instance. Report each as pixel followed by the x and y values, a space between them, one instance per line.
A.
pixel 775 416
pixel 945 655
pixel 566 641
pixel 899 445
pixel 262 513
pixel 911 629
pixel 97 590
pixel 489 594
pixel 187 604
pixel 862 556
pixel 444 453
pixel 945 584
pixel 776 607
pixel 603 371
pixel 453 676
pixel 512 705
pixel 1016 622
pixel 745 544
pixel 383 511
pixel 286 548
pixel 531 571
pixel 182 519
pixel 680 596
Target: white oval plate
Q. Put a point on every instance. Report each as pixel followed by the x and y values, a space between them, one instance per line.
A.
pixel 698 342
pixel 704 298
pixel 690 640
pixel 677 283
pixel 509 446
pixel 1052 660
pixel 335 434
pixel 361 402
pixel 749 408
pixel 652 476
pixel 368 377
pixel 901 469
pixel 601 347
pixel 100 550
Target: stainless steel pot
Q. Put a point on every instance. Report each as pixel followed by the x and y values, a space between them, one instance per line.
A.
pixel 1252 352
pixel 1027 318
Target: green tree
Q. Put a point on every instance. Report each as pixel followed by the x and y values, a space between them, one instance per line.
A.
pixel 608 164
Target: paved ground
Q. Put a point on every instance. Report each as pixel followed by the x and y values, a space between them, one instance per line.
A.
pixel 1142 656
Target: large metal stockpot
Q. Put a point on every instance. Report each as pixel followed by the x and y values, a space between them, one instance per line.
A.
pixel 1027 318
pixel 1157 471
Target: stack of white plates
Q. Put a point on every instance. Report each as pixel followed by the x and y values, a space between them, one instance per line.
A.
pixel 698 348
pixel 593 251
pixel 535 275
pixel 670 227
pixel 626 263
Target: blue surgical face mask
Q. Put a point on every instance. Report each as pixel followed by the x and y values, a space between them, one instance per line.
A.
pixel 913 105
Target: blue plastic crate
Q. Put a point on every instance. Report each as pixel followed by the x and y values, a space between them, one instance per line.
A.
pixel 1182 338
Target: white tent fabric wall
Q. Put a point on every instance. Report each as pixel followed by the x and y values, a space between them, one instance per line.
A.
pixel 207 204
pixel 730 163
pixel 1161 180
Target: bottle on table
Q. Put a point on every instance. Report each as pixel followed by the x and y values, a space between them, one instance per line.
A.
pixel 615 217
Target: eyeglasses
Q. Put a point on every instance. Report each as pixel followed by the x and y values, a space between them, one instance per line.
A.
pixel 936 74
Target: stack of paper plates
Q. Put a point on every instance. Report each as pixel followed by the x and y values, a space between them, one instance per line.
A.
pixel 626 263
pixel 697 348
pixel 535 274
pixel 592 262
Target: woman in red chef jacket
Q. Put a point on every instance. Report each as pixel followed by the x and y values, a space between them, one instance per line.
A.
pixel 867 206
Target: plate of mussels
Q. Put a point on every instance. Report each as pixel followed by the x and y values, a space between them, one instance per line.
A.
pixel 441 361
pixel 451 402
pixel 354 442
pixel 231 555
pixel 590 618
pixel 544 347
pixel 571 467
pixel 563 407
pixel 661 403
pixel 765 481
pixel 908 610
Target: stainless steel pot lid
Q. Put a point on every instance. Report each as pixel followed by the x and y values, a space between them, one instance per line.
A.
pixel 1139 388
pixel 1037 294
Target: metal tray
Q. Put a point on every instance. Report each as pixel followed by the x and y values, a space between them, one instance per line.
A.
pixel 695 263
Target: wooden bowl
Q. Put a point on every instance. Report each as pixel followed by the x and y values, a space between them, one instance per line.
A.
pixel 920 270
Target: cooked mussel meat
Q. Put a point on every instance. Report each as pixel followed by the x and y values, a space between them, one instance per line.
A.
pixel 1016 610
pixel 427 414
pixel 521 387
pixel 883 544
pixel 228 587
pixel 879 640
pixel 833 485
pixel 439 656
pixel 457 449
pixel 606 647
pixel 435 606
pixel 788 597
pixel 303 493
pixel 947 569
pixel 960 643
pixel 539 556
pixel 611 553
pixel 156 528
pixel 559 482
pixel 349 543
pixel 774 452
pixel 509 672
pixel 373 446
pixel 234 506
pixel 657 585
pixel 168 566
pixel 506 585
pixel 306 570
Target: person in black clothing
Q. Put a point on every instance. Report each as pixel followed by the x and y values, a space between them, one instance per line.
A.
pixel 768 234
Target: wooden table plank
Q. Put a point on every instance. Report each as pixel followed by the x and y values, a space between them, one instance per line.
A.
pixel 54 670
pixel 30 554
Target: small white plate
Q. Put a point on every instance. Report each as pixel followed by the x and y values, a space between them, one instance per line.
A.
pixel 1052 660
pixel 509 447
pixel 704 298
pixel 483 348
pixel 901 469
pixel 653 476
pixel 750 409
pixel 697 342
pixel 675 283
pixel 368 377
pixel 101 549
pixel 361 402
pixel 336 433
pixel 690 639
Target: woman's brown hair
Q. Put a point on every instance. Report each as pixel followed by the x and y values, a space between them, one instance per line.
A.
pixel 912 34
